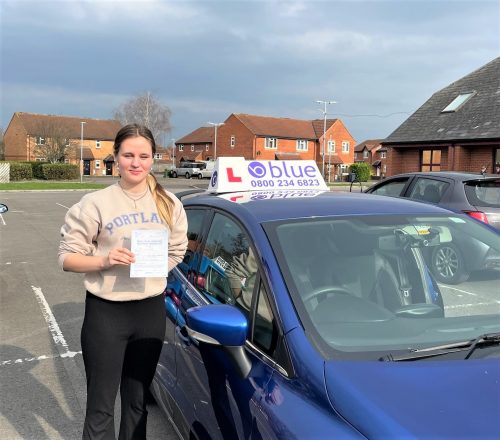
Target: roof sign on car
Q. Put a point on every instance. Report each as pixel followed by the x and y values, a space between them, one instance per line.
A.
pixel 237 174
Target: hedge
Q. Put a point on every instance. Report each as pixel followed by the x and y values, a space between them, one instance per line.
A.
pixel 42 170
pixel 60 171
pixel 20 171
pixel 362 171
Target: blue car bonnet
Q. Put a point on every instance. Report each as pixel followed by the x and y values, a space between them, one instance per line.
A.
pixel 420 400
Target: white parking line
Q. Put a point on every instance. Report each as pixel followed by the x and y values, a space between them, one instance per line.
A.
pixel 62 205
pixel 3 221
pixel 57 336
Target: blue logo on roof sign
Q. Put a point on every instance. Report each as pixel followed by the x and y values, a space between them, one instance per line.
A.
pixel 280 169
pixel 213 180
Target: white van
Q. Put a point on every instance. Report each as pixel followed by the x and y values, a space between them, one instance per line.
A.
pixel 206 173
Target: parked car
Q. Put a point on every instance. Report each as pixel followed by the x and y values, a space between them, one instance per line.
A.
pixel 3 208
pixel 309 314
pixel 187 169
pixel 472 193
pixel 475 194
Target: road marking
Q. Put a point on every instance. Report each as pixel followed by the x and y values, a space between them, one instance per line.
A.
pixel 62 346
pixel 3 221
pixel 62 205
pixel 55 331
pixel 39 358
pixel 459 306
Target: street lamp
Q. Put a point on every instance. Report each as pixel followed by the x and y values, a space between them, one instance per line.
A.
pixel 324 129
pixel 215 124
pixel 81 150
pixel 173 153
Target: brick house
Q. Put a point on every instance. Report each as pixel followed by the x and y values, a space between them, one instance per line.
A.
pixel 457 129
pixel 269 138
pixel 27 133
pixel 373 153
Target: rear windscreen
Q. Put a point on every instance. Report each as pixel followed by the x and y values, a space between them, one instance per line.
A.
pixel 483 193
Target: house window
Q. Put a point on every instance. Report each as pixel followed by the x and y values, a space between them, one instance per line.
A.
pixel 233 141
pixel 40 140
pixel 98 144
pixel 181 147
pixel 431 160
pixel 207 146
pixel 40 159
pixel 345 147
pixel 301 145
pixel 355 156
pixel 331 146
pixel 97 164
pixel 365 154
pixel 271 143
pixel 192 147
pixel 460 100
pixel 158 156
pixel 383 154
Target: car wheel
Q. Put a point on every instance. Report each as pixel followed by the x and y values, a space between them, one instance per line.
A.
pixel 174 174
pixel 448 265
pixel 187 176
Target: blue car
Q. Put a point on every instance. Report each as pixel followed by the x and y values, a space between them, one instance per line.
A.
pixel 303 313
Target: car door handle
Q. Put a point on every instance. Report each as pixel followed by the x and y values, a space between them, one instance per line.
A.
pixel 183 336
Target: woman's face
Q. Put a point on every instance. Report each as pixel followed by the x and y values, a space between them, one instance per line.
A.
pixel 135 159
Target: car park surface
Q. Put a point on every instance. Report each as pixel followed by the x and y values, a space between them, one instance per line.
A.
pixel 302 313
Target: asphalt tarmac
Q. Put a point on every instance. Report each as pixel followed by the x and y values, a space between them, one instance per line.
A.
pixel 42 377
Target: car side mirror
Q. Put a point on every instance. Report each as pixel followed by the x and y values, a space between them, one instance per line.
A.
pixel 221 325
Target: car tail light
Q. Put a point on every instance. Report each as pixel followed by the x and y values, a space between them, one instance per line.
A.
pixel 478 215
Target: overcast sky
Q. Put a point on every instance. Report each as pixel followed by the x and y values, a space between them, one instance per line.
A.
pixel 380 60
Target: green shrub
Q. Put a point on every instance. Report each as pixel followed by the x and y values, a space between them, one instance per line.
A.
pixel 362 171
pixel 60 171
pixel 36 169
pixel 20 171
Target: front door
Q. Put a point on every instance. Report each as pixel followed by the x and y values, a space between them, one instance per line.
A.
pixel 109 168
pixel 86 167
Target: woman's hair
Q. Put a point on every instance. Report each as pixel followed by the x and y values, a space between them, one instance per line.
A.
pixel 164 203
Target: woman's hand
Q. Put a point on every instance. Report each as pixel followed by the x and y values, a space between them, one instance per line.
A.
pixel 120 256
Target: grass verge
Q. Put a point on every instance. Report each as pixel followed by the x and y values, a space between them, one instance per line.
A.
pixel 44 185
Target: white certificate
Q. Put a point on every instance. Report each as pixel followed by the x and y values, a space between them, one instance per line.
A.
pixel 150 247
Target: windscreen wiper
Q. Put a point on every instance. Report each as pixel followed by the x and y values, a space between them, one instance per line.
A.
pixel 484 340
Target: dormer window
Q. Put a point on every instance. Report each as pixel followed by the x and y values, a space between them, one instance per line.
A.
pixel 460 100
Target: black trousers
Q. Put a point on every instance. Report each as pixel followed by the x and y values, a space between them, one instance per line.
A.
pixel 121 345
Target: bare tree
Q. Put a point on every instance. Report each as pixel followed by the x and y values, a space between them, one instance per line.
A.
pixel 146 110
pixel 52 141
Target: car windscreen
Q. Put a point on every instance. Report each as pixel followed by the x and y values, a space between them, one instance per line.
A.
pixel 368 284
pixel 483 193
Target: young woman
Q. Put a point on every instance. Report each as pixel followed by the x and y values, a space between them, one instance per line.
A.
pixel 124 323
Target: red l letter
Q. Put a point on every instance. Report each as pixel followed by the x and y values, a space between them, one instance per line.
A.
pixel 231 177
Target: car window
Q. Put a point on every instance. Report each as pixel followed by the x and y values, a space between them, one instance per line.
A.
pixel 195 219
pixel 428 190
pixel 392 188
pixel 483 193
pixel 231 272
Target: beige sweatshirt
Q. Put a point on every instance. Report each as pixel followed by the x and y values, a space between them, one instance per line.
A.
pixel 104 220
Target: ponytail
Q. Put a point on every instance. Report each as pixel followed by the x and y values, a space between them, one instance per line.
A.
pixel 164 203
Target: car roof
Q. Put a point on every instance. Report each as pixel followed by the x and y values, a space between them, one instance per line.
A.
pixel 455 175
pixel 264 206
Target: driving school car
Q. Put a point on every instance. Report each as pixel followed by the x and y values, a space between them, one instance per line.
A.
pixel 303 313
